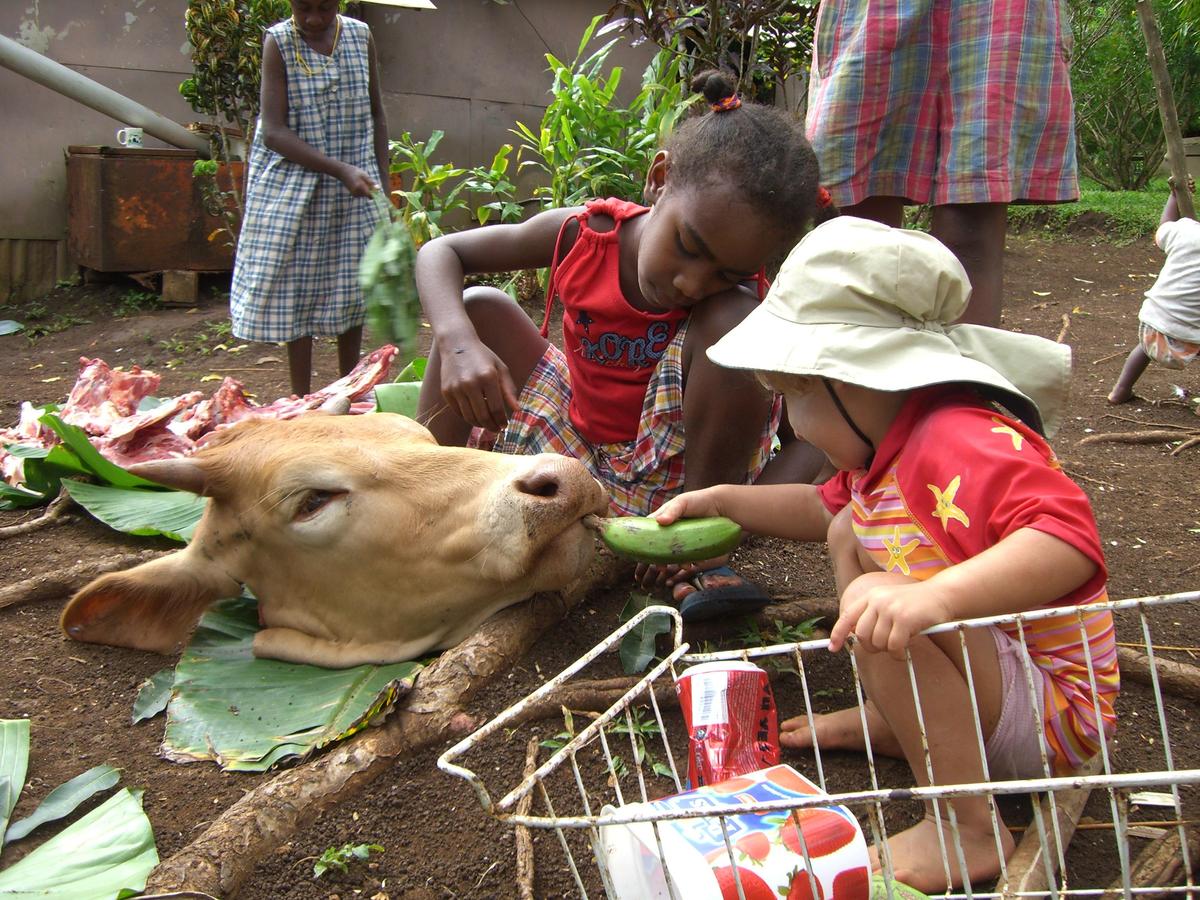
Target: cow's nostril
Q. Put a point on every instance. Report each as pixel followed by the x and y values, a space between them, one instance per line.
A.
pixel 539 484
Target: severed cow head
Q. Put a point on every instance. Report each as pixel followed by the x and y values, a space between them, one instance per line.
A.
pixel 363 540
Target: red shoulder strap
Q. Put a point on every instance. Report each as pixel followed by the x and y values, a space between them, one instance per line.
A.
pixel 551 285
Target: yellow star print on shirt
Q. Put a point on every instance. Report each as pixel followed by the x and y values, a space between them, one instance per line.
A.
pixel 1002 428
pixel 898 553
pixel 944 507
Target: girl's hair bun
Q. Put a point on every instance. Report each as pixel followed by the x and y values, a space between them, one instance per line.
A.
pixel 715 84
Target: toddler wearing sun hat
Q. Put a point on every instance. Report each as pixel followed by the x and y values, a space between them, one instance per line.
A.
pixel 948 504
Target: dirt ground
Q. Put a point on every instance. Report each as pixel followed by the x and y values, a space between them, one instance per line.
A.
pixel 438 843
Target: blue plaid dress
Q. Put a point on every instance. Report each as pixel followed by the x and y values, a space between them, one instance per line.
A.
pixel 296 269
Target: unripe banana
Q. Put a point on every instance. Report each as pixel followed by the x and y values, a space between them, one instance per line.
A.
pixel 686 540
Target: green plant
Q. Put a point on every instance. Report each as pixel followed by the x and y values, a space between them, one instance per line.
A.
pixel 340 857
pixel 587 145
pixel 134 301
pixel 222 203
pixel 434 189
pixel 1118 128
pixel 642 729
pixel 762 42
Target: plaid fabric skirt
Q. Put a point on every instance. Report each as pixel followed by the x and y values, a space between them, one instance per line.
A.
pixel 943 101
pixel 639 475
pixel 1167 351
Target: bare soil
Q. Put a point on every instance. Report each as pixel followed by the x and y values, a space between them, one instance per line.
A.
pixel 438 843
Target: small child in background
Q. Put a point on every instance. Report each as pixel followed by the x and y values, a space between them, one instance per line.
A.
pixel 1169 320
pixel 944 508
pixel 320 149
pixel 645 291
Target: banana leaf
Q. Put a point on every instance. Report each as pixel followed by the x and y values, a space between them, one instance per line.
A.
pixel 14 758
pixel 106 854
pixel 173 514
pixel 398 398
pixel 248 714
pixel 76 440
pixel 153 695
pixel 10 326
pixel 65 799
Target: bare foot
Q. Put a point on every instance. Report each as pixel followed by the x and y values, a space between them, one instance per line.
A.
pixel 1116 397
pixel 842 730
pixel 917 856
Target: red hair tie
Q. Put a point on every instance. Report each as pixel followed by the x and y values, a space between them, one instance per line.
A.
pixel 733 101
pixel 823 198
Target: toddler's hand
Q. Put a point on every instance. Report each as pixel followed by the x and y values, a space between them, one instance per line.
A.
pixel 692 505
pixel 884 610
pixel 358 182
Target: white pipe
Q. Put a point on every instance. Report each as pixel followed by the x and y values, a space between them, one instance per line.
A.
pixel 72 84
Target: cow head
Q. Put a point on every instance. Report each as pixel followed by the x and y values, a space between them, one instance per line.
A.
pixel 363 540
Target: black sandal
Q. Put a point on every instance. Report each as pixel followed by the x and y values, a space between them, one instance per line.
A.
pixel 721 592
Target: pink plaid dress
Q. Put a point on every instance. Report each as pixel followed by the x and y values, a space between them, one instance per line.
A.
pixel 943 101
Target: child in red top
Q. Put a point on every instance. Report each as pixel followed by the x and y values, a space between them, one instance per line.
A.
pixel 645 292
pixel 945 508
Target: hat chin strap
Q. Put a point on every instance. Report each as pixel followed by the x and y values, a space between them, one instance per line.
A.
pixel 837 401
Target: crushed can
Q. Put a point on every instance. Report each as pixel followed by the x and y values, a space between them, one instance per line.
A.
pixel 732 724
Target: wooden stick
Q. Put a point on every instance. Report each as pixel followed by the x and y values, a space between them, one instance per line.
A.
pixel 1177 677
pixel 64 582
pixel 1147 424
pixel 1160 864
pixel 1157 647
pixel 1103 359
pixel 1190 442
pixel 54 514
pixel 1134 437
pixel 1176 158
pixel 1066 326
pixel 525 872
pixel 1028 864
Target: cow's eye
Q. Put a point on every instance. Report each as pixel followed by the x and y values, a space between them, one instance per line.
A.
pixel 313 502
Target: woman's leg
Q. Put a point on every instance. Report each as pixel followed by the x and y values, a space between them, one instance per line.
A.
pixel 975 233
pixel 505 328
pixel 299 354
pixel 1135 365
pixel 349 344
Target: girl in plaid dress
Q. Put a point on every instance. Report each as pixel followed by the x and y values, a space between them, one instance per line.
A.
pixel 320 149
pixel 644 292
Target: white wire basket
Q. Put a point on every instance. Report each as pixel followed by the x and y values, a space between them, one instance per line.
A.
pixel 634 751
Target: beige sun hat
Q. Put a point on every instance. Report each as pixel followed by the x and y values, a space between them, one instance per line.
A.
pixel 871 305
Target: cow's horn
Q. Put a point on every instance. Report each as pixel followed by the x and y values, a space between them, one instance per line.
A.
pixel 179 473
pixel 336 406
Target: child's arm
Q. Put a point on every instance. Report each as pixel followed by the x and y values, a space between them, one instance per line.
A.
pixel 470 371
pixel 278 136
pixel 1170 211
pixel 378 116
pixel 1025 570
pixel 792 511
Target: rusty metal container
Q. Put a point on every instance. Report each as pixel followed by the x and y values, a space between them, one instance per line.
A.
pixel 139 210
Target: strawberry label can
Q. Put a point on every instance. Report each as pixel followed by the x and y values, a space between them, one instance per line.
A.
pixel 815 853
pixel 732 724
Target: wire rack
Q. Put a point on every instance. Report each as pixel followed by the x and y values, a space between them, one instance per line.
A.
pixel 635 751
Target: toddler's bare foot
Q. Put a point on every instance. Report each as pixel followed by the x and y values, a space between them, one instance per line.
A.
pixel 1116 396
pixel 842 730
pixel 917 855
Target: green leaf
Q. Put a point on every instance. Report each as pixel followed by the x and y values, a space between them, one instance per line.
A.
pixel 108 851
pixel 65 799
pixel 14 759
pixel 173 514
pixel 20 497
pixel 77 440
pixel 10 326
pixel 247 713
pixel 398 398
pixel 637 647
pixel 414 371
pixel 153 695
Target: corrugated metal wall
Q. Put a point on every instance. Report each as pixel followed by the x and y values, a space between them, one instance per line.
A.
pixel 471 68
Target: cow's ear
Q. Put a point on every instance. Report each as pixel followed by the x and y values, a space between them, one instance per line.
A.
pixel 154 606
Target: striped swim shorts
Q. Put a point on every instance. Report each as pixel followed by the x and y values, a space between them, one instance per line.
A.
pixel 1168 352
pixel 943 101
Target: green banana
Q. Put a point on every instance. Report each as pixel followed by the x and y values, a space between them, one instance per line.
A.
pixel 686 540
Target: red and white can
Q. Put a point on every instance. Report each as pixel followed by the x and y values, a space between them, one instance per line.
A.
pixel 732 724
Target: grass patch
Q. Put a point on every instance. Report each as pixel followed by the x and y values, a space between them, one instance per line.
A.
pixel 1125 215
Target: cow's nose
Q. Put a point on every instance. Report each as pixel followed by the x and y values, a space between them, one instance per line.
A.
pixel 540 483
